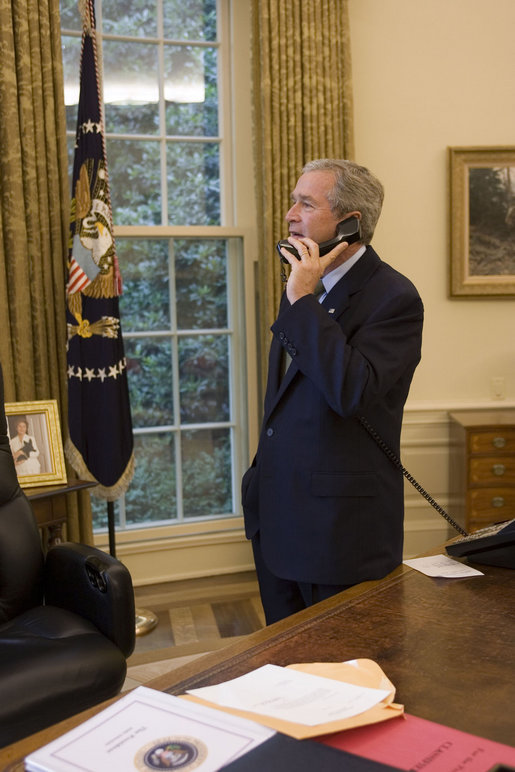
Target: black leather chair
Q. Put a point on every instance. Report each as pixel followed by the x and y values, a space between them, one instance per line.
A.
pixel 67 620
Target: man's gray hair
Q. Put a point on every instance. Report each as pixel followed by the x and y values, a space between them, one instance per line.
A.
pixel 355 189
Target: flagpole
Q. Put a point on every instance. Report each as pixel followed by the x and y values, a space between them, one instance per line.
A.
pixel 145 620
pixel 110 528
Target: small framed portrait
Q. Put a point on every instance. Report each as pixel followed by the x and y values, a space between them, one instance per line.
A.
pixel 36 444
pixel 482 193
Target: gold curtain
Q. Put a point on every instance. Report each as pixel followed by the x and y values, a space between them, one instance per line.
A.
pixel 34 202
pixel 302 94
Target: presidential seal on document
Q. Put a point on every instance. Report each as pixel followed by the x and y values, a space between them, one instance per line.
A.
pixel 182 753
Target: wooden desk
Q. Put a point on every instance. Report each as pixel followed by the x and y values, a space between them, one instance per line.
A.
pixel 49 507
pixel 447 645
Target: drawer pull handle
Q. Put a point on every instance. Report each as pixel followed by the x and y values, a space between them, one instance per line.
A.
pixel 498 501
pixel 499 442
pixel 499 469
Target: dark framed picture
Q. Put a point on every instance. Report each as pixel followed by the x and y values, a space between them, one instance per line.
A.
pixel 36 444
pixel 482 208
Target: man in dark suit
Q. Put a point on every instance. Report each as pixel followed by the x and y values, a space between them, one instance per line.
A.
pixel 323 504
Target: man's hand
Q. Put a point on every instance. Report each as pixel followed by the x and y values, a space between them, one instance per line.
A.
pixel 306 272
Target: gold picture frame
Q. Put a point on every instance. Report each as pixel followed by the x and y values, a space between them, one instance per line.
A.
pixel 482 220
pixel 37 449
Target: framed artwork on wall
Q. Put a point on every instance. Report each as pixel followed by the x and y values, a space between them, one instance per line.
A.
pixel 482 220
pixel 36 444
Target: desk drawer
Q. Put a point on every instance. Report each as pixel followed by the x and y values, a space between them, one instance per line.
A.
pixel 501 440
pixel 490 505
pixel 492 470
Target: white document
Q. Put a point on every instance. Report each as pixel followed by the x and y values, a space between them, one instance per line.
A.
pixel 443 566
pixel 292 695
pixel 149 730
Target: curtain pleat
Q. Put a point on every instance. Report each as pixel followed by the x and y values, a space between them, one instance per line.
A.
pixel 302 97
pixel 34 211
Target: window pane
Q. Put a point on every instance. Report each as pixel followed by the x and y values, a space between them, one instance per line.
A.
pixel 193 172
pixel 206 464
pixel 131 89
pixel 134 174
pixel 191 91
pixel 192 20
pixel 204 378
pixel 129 17
pixel 160 62
pixel 149 368
pixel 145 302
pixel 152 494
pixel 201 283
pixel 71 66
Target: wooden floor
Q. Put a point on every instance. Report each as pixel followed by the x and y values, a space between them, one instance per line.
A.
pixel 197 616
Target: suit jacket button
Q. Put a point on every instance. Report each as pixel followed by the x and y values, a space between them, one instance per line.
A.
pixel 269 432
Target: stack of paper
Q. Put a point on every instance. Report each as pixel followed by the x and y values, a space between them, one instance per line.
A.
pixel 307 700
pixel 151 730
pixel 233 725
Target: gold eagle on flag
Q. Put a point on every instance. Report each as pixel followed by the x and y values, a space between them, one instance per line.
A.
pixel 93 268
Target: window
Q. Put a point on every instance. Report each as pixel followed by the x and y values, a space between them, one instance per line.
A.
pixel 167 120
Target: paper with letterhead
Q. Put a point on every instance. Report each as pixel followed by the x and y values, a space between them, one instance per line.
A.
pixel 292 696
pixel 148 729
pixel 442 566
pixel 329 701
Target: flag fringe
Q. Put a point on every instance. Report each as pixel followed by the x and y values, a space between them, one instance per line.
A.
pixel 110 493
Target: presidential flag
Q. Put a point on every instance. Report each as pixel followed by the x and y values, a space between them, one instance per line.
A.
pixel 100 443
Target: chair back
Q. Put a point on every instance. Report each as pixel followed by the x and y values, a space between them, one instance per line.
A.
pixel 21 554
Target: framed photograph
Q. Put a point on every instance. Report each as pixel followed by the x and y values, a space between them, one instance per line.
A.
pixel 36 444
pixel 482 192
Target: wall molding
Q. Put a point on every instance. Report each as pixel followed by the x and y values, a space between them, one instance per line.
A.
pixel 220 547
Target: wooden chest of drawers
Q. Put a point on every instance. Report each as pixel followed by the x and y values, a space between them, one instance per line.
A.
pixel 482 471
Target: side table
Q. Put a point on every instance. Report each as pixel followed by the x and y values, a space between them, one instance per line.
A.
pixel 482 472
pixel 49 507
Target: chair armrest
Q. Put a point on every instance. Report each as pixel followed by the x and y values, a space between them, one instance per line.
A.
pixel 94 585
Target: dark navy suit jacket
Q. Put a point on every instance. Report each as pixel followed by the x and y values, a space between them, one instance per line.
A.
pixel 326 500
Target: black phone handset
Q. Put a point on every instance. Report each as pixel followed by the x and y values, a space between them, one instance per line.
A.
pixel 397 462
pixel 348 230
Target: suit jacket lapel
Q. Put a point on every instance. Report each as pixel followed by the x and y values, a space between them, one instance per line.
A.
pixel 335 303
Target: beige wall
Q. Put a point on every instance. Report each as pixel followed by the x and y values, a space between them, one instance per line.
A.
pixel 428 75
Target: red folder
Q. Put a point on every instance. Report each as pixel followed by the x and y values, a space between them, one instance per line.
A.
pixel 412 743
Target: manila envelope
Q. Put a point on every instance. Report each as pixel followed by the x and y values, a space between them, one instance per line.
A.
pixel 360 672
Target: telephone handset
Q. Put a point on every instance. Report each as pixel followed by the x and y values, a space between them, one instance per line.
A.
pixel 493 545
pixel 348 230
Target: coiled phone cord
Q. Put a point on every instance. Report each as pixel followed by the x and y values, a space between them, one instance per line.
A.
pixel 397 462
